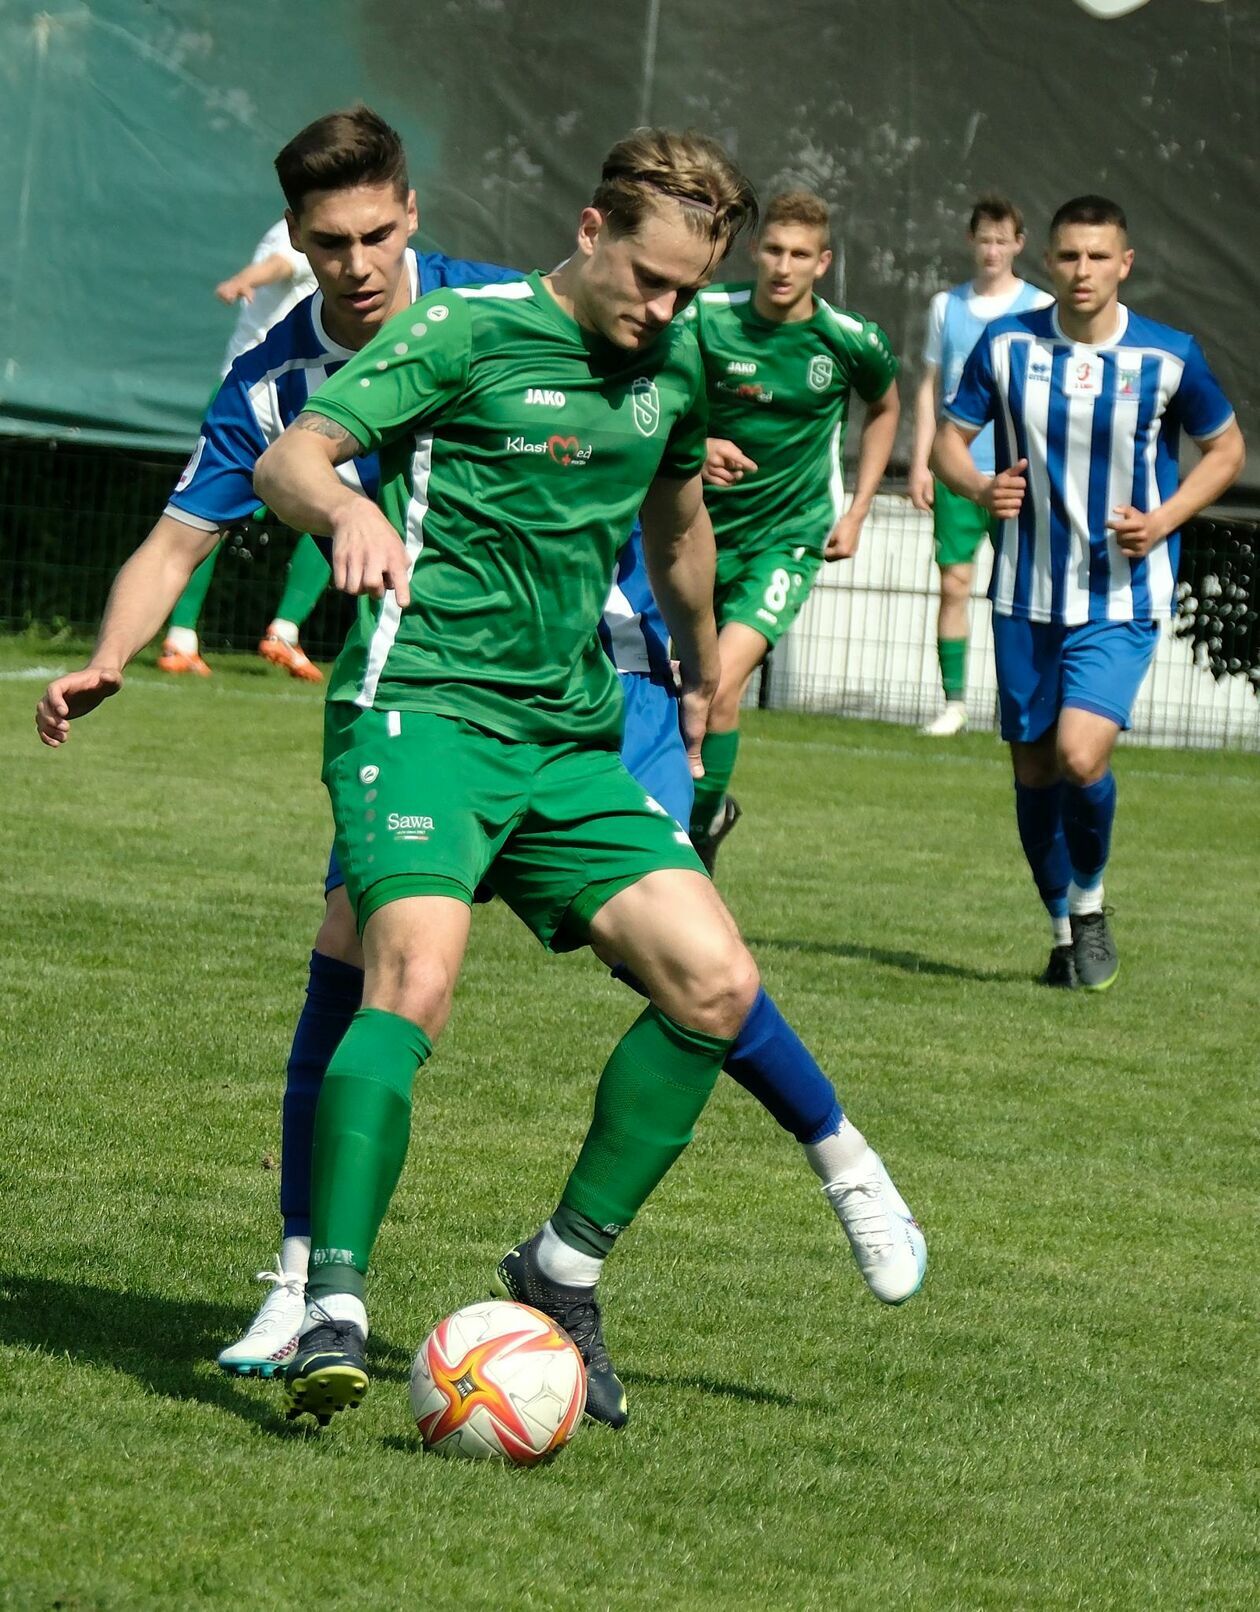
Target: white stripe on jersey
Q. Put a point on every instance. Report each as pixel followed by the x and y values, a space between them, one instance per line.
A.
pixel 626 647
pixel 835 484
pixel 725 299
pixel 1119 492
pixel 264 400
pixel 1080 430
pixel 1008 537
pixel 510 290
pixel 1037 496
pixel 845 319
pixel 386 629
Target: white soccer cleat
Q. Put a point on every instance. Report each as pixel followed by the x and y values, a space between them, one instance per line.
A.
pixel 272 1337
pixel 884 1236
pixel 951 721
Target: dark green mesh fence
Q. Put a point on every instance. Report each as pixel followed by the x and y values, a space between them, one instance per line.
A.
pixel 69 517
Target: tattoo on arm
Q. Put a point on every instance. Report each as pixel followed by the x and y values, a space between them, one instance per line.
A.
pixel 347 444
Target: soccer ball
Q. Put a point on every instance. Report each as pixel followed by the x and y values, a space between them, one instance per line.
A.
pixel 498 1381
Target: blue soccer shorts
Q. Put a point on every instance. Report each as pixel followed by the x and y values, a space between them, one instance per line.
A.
pixel 1042 668
pixel 652 751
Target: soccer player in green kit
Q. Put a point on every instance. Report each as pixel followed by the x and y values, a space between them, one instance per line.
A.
pixel 473 718
pixel 780 367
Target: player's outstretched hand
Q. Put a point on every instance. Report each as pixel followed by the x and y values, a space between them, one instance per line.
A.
pixel 72 696
pixel 1137 530
pixel 1004 493
pixel 724 464
pixel 921 487
pixel 368 554
pixel 842 540
pixel 234 289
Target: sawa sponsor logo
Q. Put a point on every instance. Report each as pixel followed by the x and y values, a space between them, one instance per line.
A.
pixel 564 450
pixel 546 396
pixel 409 825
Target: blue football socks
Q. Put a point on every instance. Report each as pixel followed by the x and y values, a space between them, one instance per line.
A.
pixel 1088 814
pixel 1039 814
pixel 334 993
pixel 773 1064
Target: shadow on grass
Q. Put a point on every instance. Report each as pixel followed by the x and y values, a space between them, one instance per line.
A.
pixel 906 962
pixel 167 1345
pixel 719 1389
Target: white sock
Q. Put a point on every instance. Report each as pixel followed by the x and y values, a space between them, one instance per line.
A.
pixel 286 631
pixel 833 1155
pixel 295 1256
pixel 1061 929
pixel 335 1307
pixel 1082 901
pixel 560 1263
pixel 183 639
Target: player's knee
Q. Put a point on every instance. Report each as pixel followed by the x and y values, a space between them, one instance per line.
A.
pixel 720 994
pixel 1081 763
pixel 337 936
pixel 419 988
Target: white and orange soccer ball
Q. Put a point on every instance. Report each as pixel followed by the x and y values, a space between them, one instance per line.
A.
pixel 498 1381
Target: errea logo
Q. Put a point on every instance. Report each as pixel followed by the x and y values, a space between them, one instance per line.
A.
pixel 545 396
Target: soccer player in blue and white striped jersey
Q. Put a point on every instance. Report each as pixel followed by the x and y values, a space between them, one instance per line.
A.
pixel 1089 401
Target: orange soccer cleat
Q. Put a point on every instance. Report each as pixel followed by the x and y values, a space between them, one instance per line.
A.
pixel 291 657
pixel 177 661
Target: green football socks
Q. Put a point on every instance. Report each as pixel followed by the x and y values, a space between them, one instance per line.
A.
pixel 718 754
pixel 649 1098
pixel 362 1127
pixel 187 611
pixel 308 575
pixel 952 654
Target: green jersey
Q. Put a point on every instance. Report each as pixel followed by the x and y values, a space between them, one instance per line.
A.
pixel 515 449
pixel 780 393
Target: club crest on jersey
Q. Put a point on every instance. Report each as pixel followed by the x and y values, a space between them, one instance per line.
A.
pixel 547 396
pixel 1128 380
pixel 820 371
pixel 645 406
pixel 190 469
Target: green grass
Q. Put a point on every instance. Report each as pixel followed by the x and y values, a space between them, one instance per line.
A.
pixel 1063 1418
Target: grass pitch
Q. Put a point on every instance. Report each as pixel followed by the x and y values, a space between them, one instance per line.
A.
pixel 1063 1418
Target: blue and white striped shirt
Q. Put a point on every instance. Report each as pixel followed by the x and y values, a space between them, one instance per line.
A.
pixel 266 389
pixel 632 630
pixel 1100 427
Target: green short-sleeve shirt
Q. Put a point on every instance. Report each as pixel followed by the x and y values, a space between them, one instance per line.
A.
pixel 781 392
pixel 515 450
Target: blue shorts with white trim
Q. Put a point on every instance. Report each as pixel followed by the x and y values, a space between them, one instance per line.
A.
pixel 1043 667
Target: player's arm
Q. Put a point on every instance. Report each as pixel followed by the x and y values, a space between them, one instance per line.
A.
pixel 1221 459
pixel 951 462
pixel 926 403
pixel 681 560
pixel 143 594
pixel 875 446
pixel 240 287
pixel 297 479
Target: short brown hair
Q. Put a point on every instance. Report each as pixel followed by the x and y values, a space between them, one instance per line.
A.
pixel 1089 210
pixel 352 147
pixel 798 207
pixel 716 199
pixel 997 209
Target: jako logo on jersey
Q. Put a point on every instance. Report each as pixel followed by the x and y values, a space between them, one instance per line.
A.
pixel 821 369
pixel 409 826
pixel 546 396
pixel 645 405
pixel 190 469
pixel 741 366
pixel 369 774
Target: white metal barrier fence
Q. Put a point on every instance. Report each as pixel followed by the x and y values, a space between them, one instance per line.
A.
pixel 865 645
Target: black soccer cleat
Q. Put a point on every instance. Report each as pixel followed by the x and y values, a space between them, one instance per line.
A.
pixel 328 1373
pixel 1060 971
pixel 575 1311
pixel 1094 951
pixel 707 844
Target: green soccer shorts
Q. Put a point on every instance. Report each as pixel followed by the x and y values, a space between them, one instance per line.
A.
pixel 430 805
pixel 765 591
pixel 959 527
